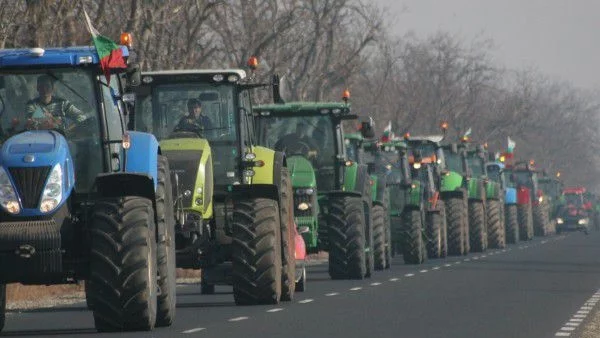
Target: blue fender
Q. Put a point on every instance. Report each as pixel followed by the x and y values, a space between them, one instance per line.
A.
pixel 510 196
pixel 142 155
pixel 37 149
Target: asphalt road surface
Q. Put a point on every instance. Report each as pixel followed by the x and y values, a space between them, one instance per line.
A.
pixel 541 288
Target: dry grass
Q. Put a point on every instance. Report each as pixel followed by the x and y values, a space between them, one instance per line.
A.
pixel 19 292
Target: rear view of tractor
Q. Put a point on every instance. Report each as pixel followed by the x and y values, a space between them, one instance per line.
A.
pixel 344 228
pixel 575 213
pixel 552 188
pixel 82 199
pixel 366 151
pixel 233 205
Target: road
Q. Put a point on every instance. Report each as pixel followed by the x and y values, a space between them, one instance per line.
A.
pixel 533 289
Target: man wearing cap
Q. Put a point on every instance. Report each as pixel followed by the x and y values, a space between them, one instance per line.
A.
pixel 49 106
pixel 194 120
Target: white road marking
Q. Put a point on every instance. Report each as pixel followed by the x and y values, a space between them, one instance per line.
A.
pixel 375 284
pixel 356 288
pixel 447 265
pixel 578 317
pixel 576 320
pixel 423 271
pixel 568 328
pixel 237 319
pixel 572 324
pixel 198 329
pixel 483 256
pixel 583 312
pixel 587 307
pixel 331 294
pixel 456 263
pixel 277 309
pixel 544 242
pixel 435 268
pixel 409 275
pixel 562 334
pixel 503 250
pixel 467 259
pixel 394 279
pixel 305 301
pixel 476 258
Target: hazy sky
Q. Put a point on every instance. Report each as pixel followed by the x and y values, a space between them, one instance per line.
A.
pixel 559 37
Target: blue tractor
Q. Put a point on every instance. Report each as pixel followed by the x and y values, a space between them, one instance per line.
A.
pixel 80 197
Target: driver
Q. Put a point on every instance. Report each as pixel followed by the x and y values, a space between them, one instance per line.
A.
pixel 194 120
pixel 297 141
pixel 51 107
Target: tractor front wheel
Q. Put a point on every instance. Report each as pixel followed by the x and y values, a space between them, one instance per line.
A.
pixel 379 237
pixel 525 217
pixel 413 247
pixel 496 234
pixel 455 220
pixel 477 231
pixel 346 225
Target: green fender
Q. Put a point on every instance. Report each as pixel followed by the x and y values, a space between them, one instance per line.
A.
pixel 451 181
pixel 492 190
pixel 302 172
pixel 350 177
pixel 474 187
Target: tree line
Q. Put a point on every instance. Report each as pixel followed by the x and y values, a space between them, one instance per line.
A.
pixel 321 47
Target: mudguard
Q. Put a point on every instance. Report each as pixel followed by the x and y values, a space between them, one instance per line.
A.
pixel 266 173
pixel 415 194
pixel 475 189
pixel 21 154
pixel 110 185
pixel 451 181
pixel 492 190
pixel 350 177
pixel 510 196
pixel 523 195
pixel 142 155
pixel 302 172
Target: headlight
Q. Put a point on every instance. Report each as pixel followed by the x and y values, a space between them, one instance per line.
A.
pixel 417 165
pixel 582 221
pixel 541 199
pixel 303 206
pixel 8 196
pixel 559 221
pixel 53 191
pixel 307 191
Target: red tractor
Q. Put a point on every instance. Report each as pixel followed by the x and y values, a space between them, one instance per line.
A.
pixel 575 213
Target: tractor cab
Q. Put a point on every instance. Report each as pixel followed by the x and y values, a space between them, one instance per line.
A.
pixel 575 212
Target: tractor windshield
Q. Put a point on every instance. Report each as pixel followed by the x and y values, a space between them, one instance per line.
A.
pixel 476 164
pixel 64 100
pixel 494 173
pixel 311 136
pixel 549 187
pixel 574 200
pixel 523 177
pixel 352 150
pixel 426 149
pixel 509 178
pixel 453 161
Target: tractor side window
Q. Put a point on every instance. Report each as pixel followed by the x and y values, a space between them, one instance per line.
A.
pixel 114 123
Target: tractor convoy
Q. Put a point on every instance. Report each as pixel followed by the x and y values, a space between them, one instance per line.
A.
pixel 117 177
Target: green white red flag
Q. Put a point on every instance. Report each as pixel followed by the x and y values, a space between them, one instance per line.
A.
pixel 109 53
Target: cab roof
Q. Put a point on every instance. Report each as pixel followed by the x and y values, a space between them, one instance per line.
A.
pixel 191 75
pixel 44 57
pixel 303 108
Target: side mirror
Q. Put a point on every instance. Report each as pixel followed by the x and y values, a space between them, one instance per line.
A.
pixel 367 130
pixel 303 229
pixel 128 98
pixel 134 75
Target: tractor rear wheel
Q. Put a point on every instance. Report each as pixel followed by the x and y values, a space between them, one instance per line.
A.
pixel 495 225
pixel 256 252
pixel 123 264
pixel 413 247
pixel 346 225
pixel 477 231
pixel 379 234
pixel 288 282
pixel 388 241
pixel 455 219
pixel 444 229
pixel 167 283
pixel 512 224
pixel 433 233
pixel 525 217
pixel 540 220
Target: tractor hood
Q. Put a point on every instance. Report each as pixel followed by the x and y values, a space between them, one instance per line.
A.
pixel 302 171
pixel 34 148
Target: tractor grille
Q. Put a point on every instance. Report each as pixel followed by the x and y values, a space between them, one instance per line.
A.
pixel 326 179
pixel 29 183
pixel 185 164
pixel 299 199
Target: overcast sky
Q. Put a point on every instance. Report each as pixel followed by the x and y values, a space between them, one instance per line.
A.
pixel 561 38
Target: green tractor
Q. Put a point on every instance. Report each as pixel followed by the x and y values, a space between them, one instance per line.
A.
pixel 552 188
pixel 393 155
pixel 365 151
pixel 233 203
pixel 311 135
pixel 477 181
pixel 425 172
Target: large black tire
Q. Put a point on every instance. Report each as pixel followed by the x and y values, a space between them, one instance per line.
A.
pixel 467 226
pixel 477 228
pixel 413 246
pixel 322 232
pixel 167 279
pixel 525 217
pixel 123 264
pixel 455 220
pixel 388 241
pixel 301 283
pixel 444 229
pixel 288 282
pixel 256 252
pixel 433 233
pixel 496 233
pixel 2 306
pixel 541 220
pixel 379 234
pixel 346 222
pixel 396 232
pixel 512 224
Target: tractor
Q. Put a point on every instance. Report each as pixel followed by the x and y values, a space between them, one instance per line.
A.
pixel 326 183
pixel 426 175
pixel 552 188
pixel 365 151
pixel 82 198
pixel 233 198
pixel 575 213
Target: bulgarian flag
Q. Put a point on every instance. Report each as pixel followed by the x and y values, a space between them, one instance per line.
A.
pixel 387 133
pixel 511 145
pixel 109 53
